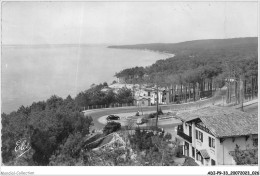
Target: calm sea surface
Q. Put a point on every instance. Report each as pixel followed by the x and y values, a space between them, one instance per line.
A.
pixel 35 73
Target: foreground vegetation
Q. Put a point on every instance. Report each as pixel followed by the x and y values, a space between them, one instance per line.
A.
pixel 53 128
pixel 95 97
pixel 56 132
pixel 141 147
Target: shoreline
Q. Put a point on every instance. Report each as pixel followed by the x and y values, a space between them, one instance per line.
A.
pixel 170 55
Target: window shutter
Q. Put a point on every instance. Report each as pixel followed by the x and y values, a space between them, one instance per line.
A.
pixel 210 141
pixel 201 137
pixel 213 162
pixel 196 134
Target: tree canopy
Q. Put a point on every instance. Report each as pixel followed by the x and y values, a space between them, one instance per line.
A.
pixel 198 62
pixel 46 125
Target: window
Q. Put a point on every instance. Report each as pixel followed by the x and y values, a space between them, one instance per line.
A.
pixel 193 152
pixel 200 158
pixel 190 131
pixel 180 128
pixel 211 142
pixel 186 149
pixel 199 135
pixel 213 162
pixel 149 93
pixel 197 153
pixel 255 142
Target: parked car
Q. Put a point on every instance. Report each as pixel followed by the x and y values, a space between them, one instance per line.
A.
pixel 113 117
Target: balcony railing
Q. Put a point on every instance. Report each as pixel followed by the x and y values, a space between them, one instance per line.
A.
pixel 184 136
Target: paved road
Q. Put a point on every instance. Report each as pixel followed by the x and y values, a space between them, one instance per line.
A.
pixel 169 125
pixel 97 113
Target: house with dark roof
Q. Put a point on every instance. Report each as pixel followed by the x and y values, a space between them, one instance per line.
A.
pixel 211 134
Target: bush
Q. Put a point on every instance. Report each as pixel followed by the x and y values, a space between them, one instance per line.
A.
pixel 179 151
pixel 144 120
pixel 153 115
pixel 111 127
pixel 167 136
pixel 244 157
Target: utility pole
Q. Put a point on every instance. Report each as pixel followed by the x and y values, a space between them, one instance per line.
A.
pixel 157 106
pixel 242 93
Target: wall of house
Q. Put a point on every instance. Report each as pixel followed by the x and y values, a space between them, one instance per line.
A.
pixel 205 145
pixel 186 131
pixel 220 154
pixel 154 97
pixel 166 97
pixel 229 144
pixel 197 144
pixel 141 92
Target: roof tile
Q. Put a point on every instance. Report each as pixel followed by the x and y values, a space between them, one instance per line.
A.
pixel 224 121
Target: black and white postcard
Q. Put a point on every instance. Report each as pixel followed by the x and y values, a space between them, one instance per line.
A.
pixel 170 84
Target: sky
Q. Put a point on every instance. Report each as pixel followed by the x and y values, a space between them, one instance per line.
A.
pixel 125 22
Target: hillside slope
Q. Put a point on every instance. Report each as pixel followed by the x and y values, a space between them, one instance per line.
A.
pixel 199 63
pixel 248 45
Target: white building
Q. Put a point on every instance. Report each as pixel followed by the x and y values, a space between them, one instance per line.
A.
pixel 152 93
pixel 211 134
pixel 141 92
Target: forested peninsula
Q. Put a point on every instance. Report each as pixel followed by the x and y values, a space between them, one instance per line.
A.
pixel 198 63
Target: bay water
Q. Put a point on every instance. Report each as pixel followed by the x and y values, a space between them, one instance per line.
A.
pixel 34 73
